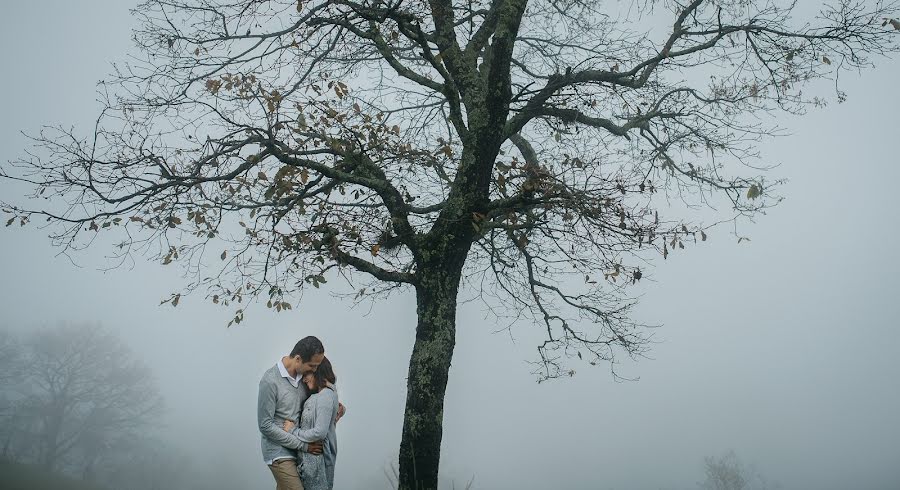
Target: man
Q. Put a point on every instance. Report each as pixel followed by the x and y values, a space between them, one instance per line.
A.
pixel 281 397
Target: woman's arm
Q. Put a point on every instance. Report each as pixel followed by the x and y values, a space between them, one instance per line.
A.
pixel 326 405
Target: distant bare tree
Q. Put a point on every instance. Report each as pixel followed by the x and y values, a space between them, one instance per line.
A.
pixel 524 150
pixel 9 357
pixel 10 372
pixel 724 473
pixel 727 472
pixel 79 390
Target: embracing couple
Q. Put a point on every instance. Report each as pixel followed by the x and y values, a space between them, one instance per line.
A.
pixel 297 411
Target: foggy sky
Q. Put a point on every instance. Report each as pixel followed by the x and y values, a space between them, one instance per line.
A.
pixel 784 348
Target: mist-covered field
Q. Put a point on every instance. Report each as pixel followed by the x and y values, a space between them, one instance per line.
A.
pixel 771 361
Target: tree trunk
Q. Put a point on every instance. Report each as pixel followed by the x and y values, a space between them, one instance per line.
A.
pixel 429 368
pixel 438 271
pixel 53 419
pixel 50 437
pixel 49 452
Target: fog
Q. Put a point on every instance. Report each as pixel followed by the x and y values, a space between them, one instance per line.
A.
pixel 783 349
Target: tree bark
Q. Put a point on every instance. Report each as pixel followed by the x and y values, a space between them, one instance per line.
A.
pixel 49 451
pixel 429 369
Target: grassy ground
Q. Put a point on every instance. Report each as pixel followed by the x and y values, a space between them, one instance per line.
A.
pixel 14 476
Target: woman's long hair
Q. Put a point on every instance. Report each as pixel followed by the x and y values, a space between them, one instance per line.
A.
pixel 324 374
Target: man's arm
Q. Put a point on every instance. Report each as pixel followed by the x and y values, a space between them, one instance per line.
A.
pixel 265 417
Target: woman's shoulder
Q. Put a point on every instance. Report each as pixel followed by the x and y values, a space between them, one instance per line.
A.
pixel 329 395
pixel 330 391
pixel 324 394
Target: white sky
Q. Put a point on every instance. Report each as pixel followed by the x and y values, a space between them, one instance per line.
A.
pixel 784 349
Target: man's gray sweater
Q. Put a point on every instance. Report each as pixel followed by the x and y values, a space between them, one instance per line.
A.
pixel 279 400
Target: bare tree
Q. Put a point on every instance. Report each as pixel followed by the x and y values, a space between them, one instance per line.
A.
pixel 724 473
pixel 524 150
pixel 727 472
pixel 80 390
pixel 10 372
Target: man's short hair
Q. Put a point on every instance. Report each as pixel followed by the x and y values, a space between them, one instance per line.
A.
pixel 307 347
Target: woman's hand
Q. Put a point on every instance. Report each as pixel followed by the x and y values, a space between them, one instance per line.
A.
pixel 288 425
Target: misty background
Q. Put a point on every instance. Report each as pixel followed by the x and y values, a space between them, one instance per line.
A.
pixel 783 349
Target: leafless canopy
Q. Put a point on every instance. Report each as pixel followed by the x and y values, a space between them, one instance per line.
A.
pixel 270 145
pixel 77 395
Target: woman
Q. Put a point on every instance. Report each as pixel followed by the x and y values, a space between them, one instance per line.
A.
pixel 317 422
